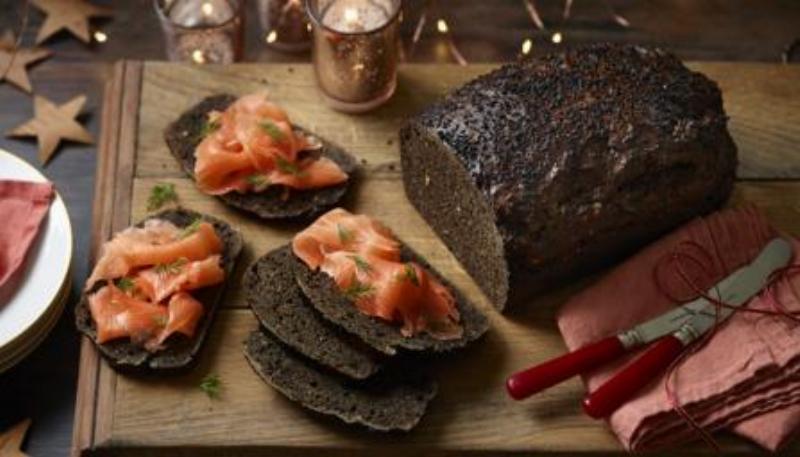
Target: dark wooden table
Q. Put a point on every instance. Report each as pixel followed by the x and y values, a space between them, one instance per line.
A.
pixel 43 386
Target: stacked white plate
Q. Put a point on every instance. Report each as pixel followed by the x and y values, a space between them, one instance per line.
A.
pixel 34 307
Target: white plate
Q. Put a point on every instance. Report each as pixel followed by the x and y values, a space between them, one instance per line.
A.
pixel 43 327
pixel 48 261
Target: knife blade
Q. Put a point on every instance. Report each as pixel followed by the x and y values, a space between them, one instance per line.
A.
pixel 533 380
pixel 748 282
pixel 775 255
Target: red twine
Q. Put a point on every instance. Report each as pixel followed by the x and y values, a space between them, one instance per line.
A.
pixel 687 251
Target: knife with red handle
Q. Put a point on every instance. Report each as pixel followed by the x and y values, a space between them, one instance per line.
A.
pixel 536 379
pixel 633 378
pixel 675 329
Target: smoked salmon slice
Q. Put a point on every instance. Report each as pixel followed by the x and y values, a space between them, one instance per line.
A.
pixel 118 315
pixel 363 258
pixel 159 282
pixel 254 146
pixel 340 230
pixel 184 314
pixel 149 272
pixel 136 247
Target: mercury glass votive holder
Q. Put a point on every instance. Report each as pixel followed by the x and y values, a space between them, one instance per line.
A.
pixel 285 24
pixel 202 31
pixel 355 51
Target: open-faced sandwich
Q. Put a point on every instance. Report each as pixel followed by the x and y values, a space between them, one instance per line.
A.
pixel 346 310
pixel 247 152
pixel 154 291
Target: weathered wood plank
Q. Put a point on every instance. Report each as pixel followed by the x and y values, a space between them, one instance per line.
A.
pixel 85 402
pixel 175 412
pixel 120 216
pixel 762 100
pixel 472 412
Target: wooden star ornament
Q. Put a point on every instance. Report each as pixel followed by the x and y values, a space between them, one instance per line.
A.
pixel 52 123
pixel 13 61
pixel 70 15
pixel 11 440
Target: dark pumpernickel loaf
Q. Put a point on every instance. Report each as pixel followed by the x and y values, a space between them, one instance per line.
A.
pixel 180 352
pixel 385 336
pixel 183 136
pixel 280 306
pixel 393 399
pixel 551 167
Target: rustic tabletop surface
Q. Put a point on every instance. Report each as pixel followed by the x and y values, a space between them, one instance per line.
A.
pixel 43 386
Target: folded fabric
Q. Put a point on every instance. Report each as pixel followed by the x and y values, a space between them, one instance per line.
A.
pixel 746 377
pixel 23 206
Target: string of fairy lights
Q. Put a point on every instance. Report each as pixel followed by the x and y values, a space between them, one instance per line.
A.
pixel 431 9
pixel 556 37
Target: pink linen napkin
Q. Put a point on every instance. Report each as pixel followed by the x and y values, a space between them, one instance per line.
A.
pixel 23 206
pixel 747 377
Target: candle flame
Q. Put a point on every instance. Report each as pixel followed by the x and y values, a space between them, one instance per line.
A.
pixel 350 15
pixel 527 45
pixel 208 8
pixel 556 38
pixel 198 57
pixel 272 36
pixel 100 37
pixel 441 26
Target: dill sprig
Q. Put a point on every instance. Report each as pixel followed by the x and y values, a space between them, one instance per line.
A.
pixel 410 274
pixel 211 385
pixel 289 168
pixel 272 130
pixel 258 181
pixel 208 128
pixel 191 228
pixel 124 284
pixel 358 289
pixel 345 235
pixel 171 268
pixel 161 194
pixel 361 264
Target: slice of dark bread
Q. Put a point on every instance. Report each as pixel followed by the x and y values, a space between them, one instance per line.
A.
pixel 183 136
pixel 324 294
pixel 279 304
pixel 394 399
pixel 180 352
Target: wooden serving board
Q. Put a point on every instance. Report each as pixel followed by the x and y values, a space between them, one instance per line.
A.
pixel 122 415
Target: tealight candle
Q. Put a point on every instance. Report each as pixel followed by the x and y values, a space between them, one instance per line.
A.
pixel 355 51
pixel 202 31
pixel 285 24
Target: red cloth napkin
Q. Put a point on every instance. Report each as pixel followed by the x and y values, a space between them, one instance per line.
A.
pixel 746 378
pixel 23 206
